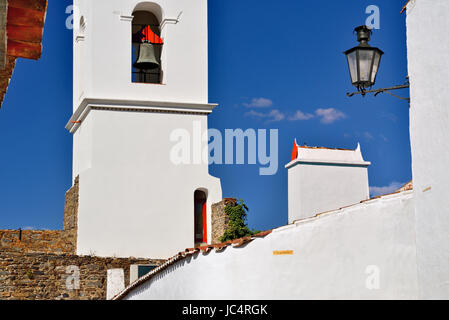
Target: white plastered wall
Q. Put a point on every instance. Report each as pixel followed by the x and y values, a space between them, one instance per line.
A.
pixel 428 66
pixel 335 256
pixel 134 201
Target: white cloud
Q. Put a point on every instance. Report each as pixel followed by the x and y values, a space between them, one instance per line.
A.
pixel 392 187
pixel 326 116
pixel 259 103
pixel 389 116
pixel 272 116
pixel 29 228
pixel 299 115
pixel 255 114
pixel 276 115
pixel 368 136
pixel 329 115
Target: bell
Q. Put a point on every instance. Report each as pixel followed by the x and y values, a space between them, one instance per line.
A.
pixel 147 58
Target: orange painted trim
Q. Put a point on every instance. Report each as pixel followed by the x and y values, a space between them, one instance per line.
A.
pixel 295 151
pixel 149 35
pixel 283 252
pixel 205 222
pixel 405 6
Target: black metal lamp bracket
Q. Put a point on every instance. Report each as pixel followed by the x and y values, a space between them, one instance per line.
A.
pixel 363 92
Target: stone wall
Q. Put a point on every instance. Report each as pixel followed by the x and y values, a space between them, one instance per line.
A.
pixel 46 241
pixel 219 219
pixel 40 276
pixel 71 213
pixel 31 241
pixel 41 265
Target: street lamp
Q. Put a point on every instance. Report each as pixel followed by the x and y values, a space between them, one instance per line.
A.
pixel 364 62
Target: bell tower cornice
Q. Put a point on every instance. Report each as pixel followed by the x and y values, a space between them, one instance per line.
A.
pixel 135 106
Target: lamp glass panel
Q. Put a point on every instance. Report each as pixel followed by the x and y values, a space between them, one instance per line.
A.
pixel 365 61
pixel 352 62
pixel 375 66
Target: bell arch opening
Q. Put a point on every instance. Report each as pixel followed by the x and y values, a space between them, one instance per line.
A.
pixel 200 212
pixel 146 47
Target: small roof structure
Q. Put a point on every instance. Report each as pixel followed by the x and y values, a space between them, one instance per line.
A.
pixel 21 30
pixel 306 154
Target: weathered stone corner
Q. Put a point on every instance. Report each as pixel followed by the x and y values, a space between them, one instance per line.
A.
pixel 71 214
pixel 220 220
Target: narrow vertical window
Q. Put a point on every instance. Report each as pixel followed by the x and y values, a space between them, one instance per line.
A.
pixel 200 217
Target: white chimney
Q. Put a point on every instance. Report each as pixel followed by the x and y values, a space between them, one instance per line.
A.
pixel 323 179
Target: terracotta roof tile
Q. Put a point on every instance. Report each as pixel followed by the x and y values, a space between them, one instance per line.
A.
pixel 263 234
pixel 324 148
pixel 407 186
pixel 21 29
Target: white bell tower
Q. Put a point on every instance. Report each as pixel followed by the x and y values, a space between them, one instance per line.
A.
pixel 134 200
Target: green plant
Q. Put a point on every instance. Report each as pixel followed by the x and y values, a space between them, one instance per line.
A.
pixel 237 227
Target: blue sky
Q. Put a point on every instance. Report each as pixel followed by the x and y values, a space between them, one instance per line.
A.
pixel 272 64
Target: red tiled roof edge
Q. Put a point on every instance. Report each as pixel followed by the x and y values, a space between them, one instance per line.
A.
pixel 407 186
pixel 21 31
pixel 324 148
pixel 353 205
pixel 189 251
